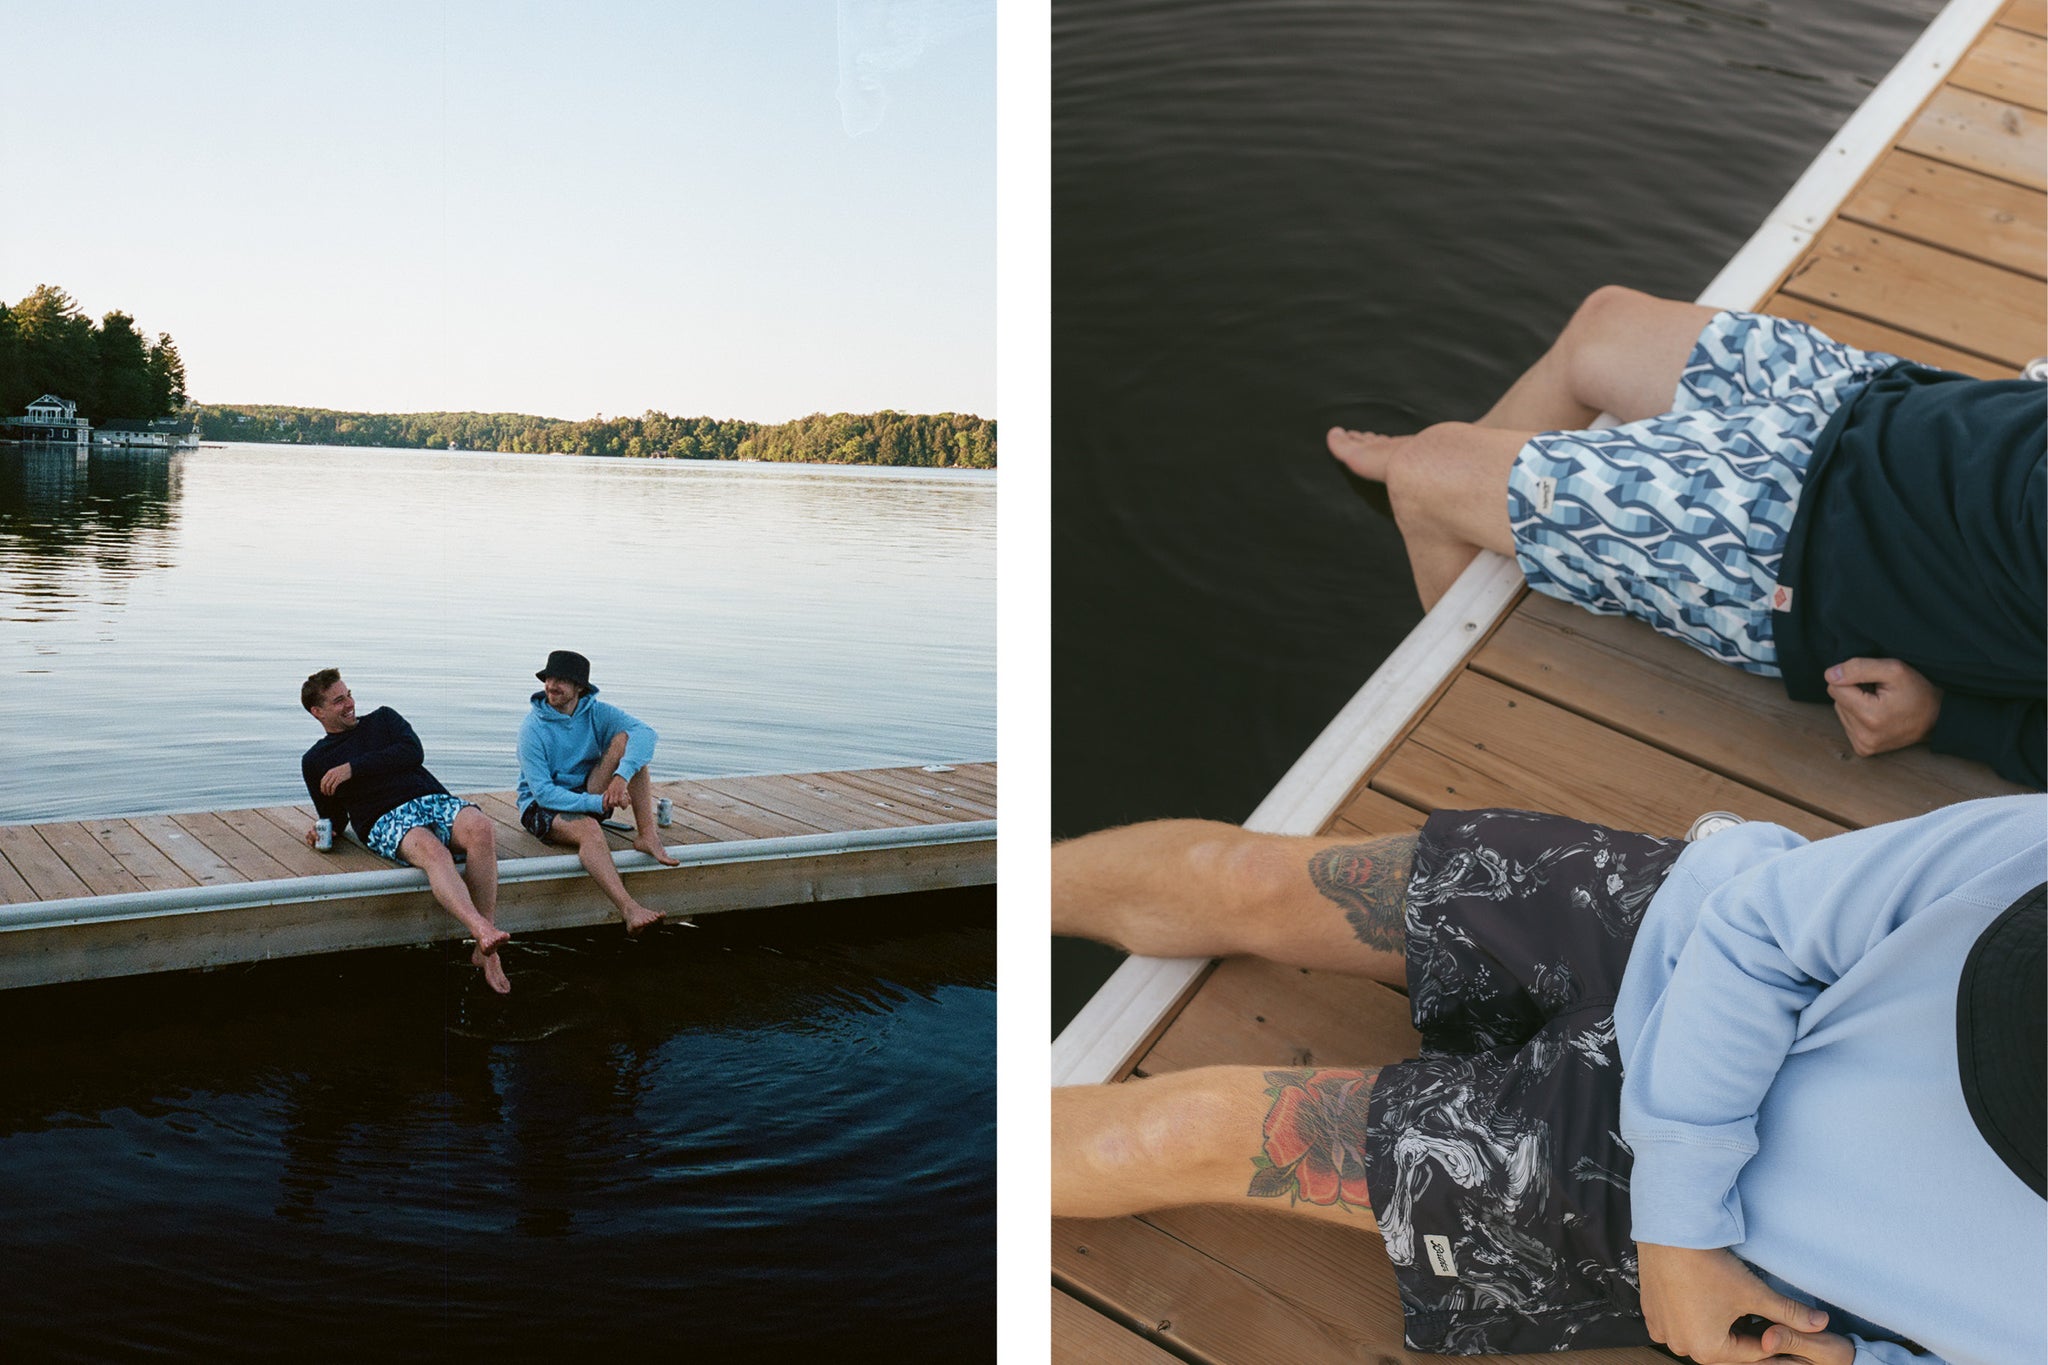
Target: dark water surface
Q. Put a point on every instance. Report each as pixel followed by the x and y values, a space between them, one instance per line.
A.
pixel 1271 216
pixel 771 1138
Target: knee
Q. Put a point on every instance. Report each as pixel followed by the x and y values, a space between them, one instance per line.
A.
pixel 475 832
pixel 1180 1123
pixel 1598 310
pixel 1234 867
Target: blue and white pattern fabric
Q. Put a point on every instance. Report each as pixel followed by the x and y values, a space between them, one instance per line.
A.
pixel 435 812
pixel 1680 520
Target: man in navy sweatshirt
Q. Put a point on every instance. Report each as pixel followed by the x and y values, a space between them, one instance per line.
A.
pixel 580 759
pixel 1747 1096
pixel 1869 530
pixel 370 771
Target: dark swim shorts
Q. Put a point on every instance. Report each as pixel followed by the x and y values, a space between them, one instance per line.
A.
pixel 1495 1161
pixel 539 820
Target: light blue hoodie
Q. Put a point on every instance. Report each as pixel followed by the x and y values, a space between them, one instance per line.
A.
pixel 1787 1027
pixel 557 752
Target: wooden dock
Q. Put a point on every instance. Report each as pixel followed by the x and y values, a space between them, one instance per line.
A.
pixel 114 897
pixel 1919 230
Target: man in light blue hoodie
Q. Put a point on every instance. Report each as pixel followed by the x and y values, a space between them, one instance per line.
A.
pixel 1748 1097
pixel 580 759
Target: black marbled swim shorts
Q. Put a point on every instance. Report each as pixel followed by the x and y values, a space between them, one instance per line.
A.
pixel 1494 1161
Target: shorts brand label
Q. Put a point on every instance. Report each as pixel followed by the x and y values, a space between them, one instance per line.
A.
pixel 1546 494
pixel 1781 598
pixel 1440 1261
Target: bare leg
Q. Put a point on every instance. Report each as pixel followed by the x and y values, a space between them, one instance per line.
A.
pixel 476 839
pixel 1621 353
pixel 423 850
pixel 1198 888
pixel 646 833
pixel 584 834
pixel 1291 1140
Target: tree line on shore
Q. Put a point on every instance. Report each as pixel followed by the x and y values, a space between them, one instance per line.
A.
pixel 928 441
pixel 109 369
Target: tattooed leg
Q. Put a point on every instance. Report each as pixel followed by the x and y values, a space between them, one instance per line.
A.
pixel 1198 888
pixel 1289 1141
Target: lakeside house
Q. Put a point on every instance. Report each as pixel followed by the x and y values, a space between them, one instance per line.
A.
pixel 51 420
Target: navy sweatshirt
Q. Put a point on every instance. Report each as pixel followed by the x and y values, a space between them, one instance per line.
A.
pixel 1920 537
pixel 386 763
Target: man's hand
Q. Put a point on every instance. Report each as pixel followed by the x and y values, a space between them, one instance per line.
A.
pixel 312 837
pixel 1692 1299
pixel 1883 704
pixel 616 797
pixel 334 777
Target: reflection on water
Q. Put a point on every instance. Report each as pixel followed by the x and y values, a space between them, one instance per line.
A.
pixel 75 526
pixel 762 618
pixel 775 1130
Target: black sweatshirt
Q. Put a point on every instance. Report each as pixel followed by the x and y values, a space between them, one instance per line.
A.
pixel 1920 537
pixel 385 761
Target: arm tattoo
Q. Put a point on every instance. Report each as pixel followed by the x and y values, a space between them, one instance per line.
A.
pixel 1314 1148
pixel 1370 881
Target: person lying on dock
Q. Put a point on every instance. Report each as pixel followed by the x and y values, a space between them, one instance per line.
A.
pixel 1745 1096
pixel 371 772
pixel 1869 530
pixel 580 759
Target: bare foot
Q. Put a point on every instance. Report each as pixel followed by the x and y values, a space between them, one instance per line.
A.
pixel 494 970
pixel 491 940
pixel 1365 453
pixel 639 919
pixel 658 851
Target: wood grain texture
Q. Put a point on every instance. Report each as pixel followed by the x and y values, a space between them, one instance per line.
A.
pixel 1996 313
pixel 2028 16
pixel 93 863
pixel 1958 210
pixel 1252 1012
pixel 1079 1333
pixel 2009 65
pixel 1666 693
pixel 1983 134
pixel 39 865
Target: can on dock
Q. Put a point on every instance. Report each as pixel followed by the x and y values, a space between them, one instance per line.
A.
pixel 664 809
pixel 323 835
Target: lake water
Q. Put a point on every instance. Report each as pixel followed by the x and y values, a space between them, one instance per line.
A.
pixel 1269 218
pixel 769 1138
pixel 158 612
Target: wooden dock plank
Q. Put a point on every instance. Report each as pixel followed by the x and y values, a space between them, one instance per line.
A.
pixel 1957 210
pixel 1875 336
pixel 192 856
pixel 292 852
pixel 1660 691
pixel 697 816
pixel 1487 744
pixel 251 862
pixel 942 806
pixel 1252 1012
pixel 2028 16
pixel 1984 134
pixel 94 864
pixel 1081 1333
pixel 345 856
pixel 889 809
pixel 513 839
pixel 2007 65
pixel 14 888
pixel 1366 812
pixel 39 865
pixel 145 861
pixel 753 821
pixel 755 794
pixel 1949 298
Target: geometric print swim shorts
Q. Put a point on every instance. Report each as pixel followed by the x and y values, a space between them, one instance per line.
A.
pixel 436 812
pixel 1681 519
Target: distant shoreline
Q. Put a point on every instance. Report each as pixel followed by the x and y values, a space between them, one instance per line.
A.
pixel 881 439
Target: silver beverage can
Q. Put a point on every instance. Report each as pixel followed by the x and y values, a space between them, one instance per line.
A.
pixel 1713 822
pixel 323 835
pixel 663 810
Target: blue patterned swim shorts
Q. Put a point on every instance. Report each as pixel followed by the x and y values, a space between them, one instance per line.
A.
pixel 435 812
pixel 1680 520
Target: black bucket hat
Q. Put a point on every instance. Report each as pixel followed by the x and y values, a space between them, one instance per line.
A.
pixel 566 663
pixel 2002 1036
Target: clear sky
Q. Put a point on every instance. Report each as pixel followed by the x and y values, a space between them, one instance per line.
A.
pixel 747 209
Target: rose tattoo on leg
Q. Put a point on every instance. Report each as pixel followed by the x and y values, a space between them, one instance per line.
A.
pixel 1314 1147
pixel 1370 882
